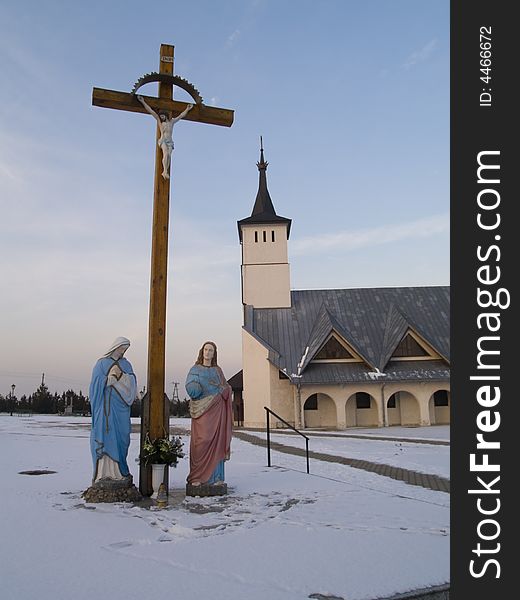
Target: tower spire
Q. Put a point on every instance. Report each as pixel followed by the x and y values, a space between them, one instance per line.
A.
pixel 262 164
pixel 263 203
pixel 263 209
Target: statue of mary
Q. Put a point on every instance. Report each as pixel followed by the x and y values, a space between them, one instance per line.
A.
pixel 112 392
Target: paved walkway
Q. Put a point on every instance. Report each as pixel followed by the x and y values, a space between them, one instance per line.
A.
pixel 426 480
pixel 359 436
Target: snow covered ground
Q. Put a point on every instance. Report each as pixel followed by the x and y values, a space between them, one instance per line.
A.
pixel 280 534
pixel 436 432
pixel 424 458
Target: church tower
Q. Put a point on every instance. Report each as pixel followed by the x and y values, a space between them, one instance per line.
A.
pixel 263 237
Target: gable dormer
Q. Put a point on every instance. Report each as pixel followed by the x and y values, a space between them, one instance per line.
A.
pixel 335 350
pixel 327 342
pixel 413 347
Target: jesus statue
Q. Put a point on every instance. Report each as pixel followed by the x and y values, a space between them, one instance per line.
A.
pixel 165 123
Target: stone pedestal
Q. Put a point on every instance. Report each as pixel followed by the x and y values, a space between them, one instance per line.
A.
pixel 113 490
pixel 206 489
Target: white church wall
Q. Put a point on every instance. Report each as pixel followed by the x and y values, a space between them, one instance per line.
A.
pixel 337 408
pixel 266 286
pixel 324 416
pixel 260 252
pixel 282 395
pixel 410 410
pixel 256 377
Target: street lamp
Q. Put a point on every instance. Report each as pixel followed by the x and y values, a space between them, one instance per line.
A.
pixel 12 398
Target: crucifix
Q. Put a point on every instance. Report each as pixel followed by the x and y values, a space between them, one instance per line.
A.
pixel 166 110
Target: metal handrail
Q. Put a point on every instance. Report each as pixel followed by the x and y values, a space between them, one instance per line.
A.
pixel 268 412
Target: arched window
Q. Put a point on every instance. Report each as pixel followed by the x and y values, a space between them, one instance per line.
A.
pixel 362 400
pixel 392 400
pixel 440 398
pixel 311 403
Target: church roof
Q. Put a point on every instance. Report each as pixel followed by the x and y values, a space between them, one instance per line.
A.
pixel 263 209
pixel 237 381
pixel 324 324
pixel 371 320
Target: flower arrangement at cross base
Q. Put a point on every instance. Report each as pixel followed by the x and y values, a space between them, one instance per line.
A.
pixel 162 451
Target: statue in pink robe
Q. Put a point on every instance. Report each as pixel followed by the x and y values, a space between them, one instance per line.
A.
pixel 211 418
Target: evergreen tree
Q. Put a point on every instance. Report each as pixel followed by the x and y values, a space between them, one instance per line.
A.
pixel 58 404
pixel 42 400
pixel 24 405
pixel 135 410
pixel 83 405
pixel 180 408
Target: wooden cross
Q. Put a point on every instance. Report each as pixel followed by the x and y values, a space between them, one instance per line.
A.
pixel 157 417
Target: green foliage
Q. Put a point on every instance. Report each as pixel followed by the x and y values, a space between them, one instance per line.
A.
pixel 42 400
pixel 180 408
pixel 161 451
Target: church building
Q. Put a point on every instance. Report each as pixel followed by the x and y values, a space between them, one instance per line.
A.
pixel 335 358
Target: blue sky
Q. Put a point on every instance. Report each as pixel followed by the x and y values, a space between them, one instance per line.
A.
pixel 352 100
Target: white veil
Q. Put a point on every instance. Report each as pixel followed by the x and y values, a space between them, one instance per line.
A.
pixel 120 341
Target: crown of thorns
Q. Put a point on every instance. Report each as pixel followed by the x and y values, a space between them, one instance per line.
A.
pixel 171 79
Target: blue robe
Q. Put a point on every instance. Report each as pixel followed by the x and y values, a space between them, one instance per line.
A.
pixel 110 433
pixel 201 382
